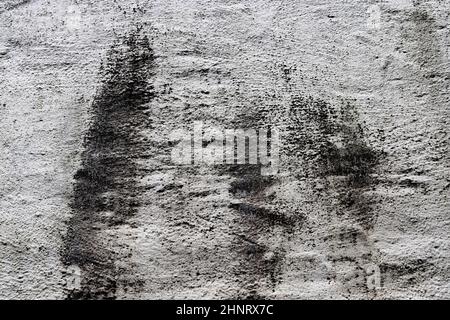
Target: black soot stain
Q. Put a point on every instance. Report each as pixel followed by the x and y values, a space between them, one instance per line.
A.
pixel 330 141
pixel 258 264
pixel 258 219
pixel 106 192
pixel 407 274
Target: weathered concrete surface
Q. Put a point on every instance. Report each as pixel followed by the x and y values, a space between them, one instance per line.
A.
pixel 92 207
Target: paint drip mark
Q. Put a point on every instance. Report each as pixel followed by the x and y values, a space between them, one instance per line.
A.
pixel 106 192
pixel 330 142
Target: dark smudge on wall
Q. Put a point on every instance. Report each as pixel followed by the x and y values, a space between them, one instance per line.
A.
pixel 106 192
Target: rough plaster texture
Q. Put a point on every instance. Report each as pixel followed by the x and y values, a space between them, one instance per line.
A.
pixel 92 206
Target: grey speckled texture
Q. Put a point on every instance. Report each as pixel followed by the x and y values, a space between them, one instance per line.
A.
pixel 91 206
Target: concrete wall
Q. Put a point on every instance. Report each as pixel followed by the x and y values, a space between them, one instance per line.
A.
pixel 92 205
